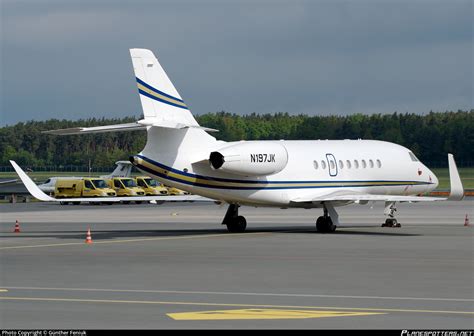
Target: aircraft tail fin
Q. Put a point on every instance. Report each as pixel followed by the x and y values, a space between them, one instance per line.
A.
pixel 123 169
pixel 161 103
pixel 160 100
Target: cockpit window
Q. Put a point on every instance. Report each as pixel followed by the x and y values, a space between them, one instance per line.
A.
pixel 413 157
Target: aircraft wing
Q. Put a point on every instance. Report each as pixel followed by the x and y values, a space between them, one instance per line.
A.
pixel 8 181
pixel 37 193
pixel 360 197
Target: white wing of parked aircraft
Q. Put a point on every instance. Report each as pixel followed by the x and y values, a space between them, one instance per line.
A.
pixel 284 174
pixel 37 193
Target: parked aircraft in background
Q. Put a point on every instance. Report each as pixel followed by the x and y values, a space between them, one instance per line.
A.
pixel 284 174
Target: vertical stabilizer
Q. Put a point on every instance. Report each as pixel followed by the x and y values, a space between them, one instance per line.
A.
pixel 160 100
pixel 123 169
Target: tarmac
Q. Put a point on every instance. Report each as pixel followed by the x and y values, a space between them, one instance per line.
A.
pixel 174 266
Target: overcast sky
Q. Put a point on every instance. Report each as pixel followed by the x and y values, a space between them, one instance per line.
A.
pixel 70 59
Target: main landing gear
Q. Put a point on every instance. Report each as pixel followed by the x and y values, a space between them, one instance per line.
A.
pixel 234 222
pixel 324 223
pixel 390 210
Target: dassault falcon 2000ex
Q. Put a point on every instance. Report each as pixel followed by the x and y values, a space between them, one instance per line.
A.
pixel 285 174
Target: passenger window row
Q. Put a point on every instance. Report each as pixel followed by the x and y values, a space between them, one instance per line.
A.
pixel 349 164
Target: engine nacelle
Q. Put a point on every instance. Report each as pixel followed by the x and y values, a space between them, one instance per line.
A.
pixel 250 158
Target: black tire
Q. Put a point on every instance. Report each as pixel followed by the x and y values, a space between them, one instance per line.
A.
pixel 63 203
pixel 138 202
pixel 389 222
pixel 126 202
pixel 76 203
pixel 238 224
pixel 396 223
pixel 325 225
pixel 321 224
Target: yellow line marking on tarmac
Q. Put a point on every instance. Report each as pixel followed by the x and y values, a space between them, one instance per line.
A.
pixel 3 290
pixel 248 306
pixel 138 240
pixel 262 314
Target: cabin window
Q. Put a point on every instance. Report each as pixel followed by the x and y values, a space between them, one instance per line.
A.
pixel 88 184
pixel 356 164
pixel 315 164
pixel 413 157
pixel 371 164
pixel 323 164
pixel 364 164
pixel 117 184
pixel 341 164
pixel 379 164
pixel 348 164
pixel 141 183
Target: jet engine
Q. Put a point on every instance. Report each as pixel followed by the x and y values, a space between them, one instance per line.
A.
pixel 250 158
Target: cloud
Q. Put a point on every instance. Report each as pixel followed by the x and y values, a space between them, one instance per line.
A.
pixel 69 59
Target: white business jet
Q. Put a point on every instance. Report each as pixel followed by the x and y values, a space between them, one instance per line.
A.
pixel 284 174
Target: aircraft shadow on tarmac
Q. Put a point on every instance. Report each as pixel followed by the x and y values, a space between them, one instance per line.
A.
pixel 131 234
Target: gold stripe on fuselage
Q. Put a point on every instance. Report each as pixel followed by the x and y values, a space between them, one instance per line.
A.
pixel 178 177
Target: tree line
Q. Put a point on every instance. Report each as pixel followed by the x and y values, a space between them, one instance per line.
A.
pixel 429 136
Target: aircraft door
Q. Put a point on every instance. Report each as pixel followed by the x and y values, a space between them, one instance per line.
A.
pixel 332 164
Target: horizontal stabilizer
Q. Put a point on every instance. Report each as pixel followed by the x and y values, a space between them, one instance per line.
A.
pixel 37 193
pixel 97 129
pixel 139 125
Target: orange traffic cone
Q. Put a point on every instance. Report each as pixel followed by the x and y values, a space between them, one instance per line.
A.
pixel 17 227
pixel 88 237
pixel 466 221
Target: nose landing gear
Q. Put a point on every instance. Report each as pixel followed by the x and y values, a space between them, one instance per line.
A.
pixel 390 210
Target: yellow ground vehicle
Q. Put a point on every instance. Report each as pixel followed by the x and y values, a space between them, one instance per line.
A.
pixel 150 186
pixel 175 191
pixel 126 186
pixel 82 187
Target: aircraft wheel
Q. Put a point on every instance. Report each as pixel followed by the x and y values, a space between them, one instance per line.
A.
pixel 239 224
pixel 391 222
pixel 324 224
